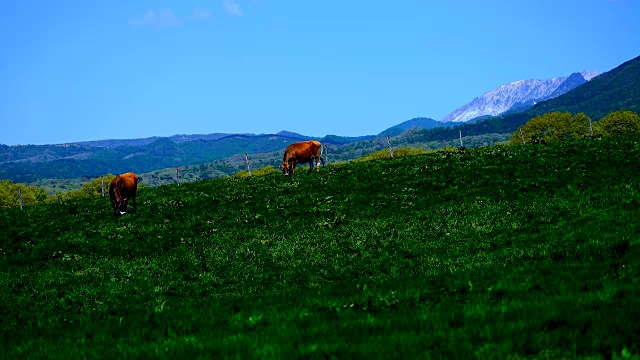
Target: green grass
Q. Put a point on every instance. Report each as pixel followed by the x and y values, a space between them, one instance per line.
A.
pixel 494 252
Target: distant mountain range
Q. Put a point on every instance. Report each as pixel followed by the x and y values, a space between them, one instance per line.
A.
pixel 111 143
pixel 114 143
pixel 517 96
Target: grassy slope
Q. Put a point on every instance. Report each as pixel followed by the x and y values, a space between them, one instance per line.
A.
pixel 528 250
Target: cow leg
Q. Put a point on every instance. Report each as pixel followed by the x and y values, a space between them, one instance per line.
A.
pixel 114 205
pixel 134 202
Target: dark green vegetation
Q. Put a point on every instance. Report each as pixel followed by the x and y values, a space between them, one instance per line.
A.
pixel 495 251
pixel 557 126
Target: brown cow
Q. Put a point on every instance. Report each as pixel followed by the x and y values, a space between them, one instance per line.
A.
pixel 123 188
pixel 301 153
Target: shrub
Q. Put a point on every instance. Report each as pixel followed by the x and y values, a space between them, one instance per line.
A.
pixel 30 194
pixel 618 123
pixel 554 126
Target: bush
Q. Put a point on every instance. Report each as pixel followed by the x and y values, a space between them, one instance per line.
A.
pixel 94 187
pixel 618 123
pixel 30 194
pixel 91 189
pixel 554 126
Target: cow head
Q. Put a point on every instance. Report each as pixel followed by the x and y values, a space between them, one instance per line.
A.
pixel 119 203
pixel 285 168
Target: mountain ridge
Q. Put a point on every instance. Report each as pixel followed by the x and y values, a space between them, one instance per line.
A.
pixel 419 122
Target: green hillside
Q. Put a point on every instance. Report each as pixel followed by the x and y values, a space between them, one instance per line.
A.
pixel 494 252
pixel 618 89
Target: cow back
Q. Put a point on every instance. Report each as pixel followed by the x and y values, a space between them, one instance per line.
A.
pixel 302 151
pixel 123 186
pixel 129 182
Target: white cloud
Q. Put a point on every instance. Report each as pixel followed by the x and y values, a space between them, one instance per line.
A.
pixel 232 8
pixel 201 14
pixel 157 18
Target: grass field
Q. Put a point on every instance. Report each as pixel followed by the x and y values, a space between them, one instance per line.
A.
pixel 494 252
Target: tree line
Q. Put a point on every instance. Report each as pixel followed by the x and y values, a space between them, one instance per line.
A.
pixel 10 197
pixel 557 126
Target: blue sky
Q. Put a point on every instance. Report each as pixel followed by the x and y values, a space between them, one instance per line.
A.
pixel 83 70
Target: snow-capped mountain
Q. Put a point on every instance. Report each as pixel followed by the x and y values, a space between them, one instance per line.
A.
pixel 588 74
pixel 517 96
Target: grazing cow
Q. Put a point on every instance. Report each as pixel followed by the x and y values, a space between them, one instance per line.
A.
pixel 123 188
pixel 301 153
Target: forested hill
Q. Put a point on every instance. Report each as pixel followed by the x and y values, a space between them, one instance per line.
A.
pixel 618 89
pixel 29 163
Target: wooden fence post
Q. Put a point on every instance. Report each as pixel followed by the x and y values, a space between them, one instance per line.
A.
pixel 246 156
pixel 20 196
pixel 521 135
pixel 102 182
pixel 389 142
pixel 326 151
pixel 177 176
pixel 590 127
